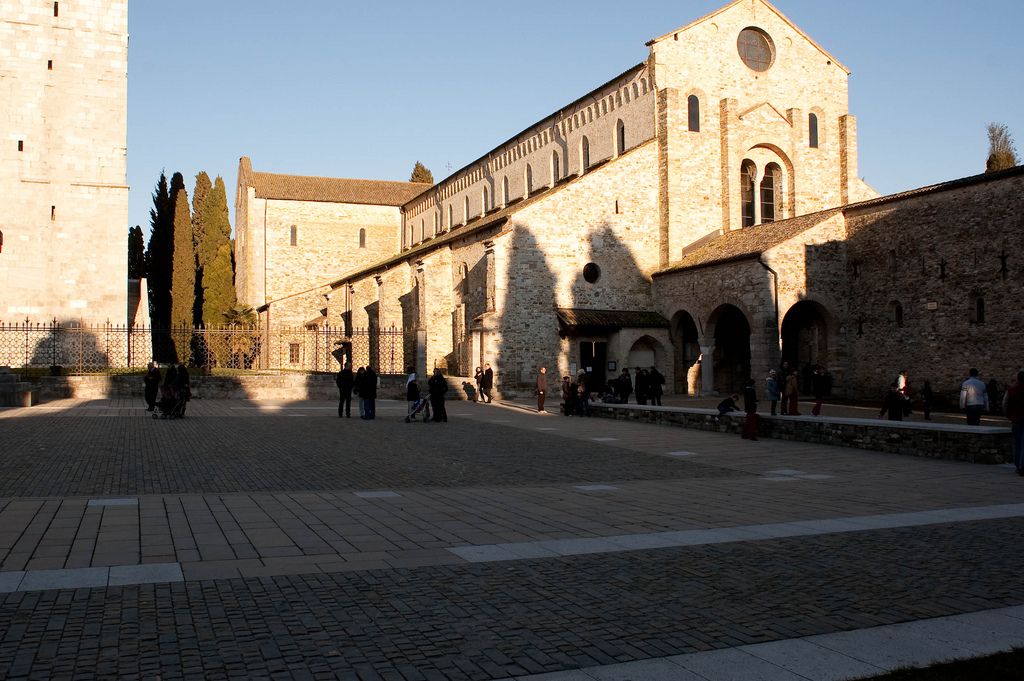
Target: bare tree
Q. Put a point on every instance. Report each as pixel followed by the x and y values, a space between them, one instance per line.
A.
pixel 1001 152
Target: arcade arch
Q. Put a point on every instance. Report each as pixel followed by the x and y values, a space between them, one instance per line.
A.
pixel 686 353
pixel 805 335
pixel 731 357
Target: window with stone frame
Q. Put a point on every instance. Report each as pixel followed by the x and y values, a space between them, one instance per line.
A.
pixel 362 238
pixel 585 154
pixel 977 310
pixel 748 177
pixel 812 130
pixel 620 138
pixel 556 168
pixel 769 193
pixel 293 235
pixel 693 113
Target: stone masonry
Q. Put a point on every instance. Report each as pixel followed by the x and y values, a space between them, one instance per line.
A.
pixel 63 132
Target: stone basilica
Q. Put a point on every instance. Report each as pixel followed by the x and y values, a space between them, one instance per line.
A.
pixel 700 212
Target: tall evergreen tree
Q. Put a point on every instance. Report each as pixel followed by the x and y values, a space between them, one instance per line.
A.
pixel 421 174
pixel 159 255
pixel 183 277
pixel 202 190
pixel 136 253
pixel 216 254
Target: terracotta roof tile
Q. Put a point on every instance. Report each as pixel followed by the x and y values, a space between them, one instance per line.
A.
pixel 335 190
pixel 623 319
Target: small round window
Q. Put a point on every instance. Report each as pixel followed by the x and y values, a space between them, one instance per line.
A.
pixel 591 272
pixel 756 49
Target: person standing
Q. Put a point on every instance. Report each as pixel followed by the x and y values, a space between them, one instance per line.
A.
pixel 655 383
pixel 152 386
pixel 782 376
pixel 750 407
pixel 793 391
pixel 772 390
pixel 437 386
pixel 488 383
pixel 542 389
pixel 357 388
pixel 479 378
pixel 582 394
pixel 344 381
pixel 369 393
pixel 1013 407
pixel 625 386
pixel 818 386
pixel 568 396
pixel 640 377
pixel 893 403
pixel 973 398
pixel 926 400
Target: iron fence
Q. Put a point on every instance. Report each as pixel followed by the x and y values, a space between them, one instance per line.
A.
pixel 85 348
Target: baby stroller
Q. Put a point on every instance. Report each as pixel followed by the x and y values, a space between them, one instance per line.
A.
pixel 420 405
pixel 172 402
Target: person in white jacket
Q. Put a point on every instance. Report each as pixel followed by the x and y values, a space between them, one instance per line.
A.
pixel 974 398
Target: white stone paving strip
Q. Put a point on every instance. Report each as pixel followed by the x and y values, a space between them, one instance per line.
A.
pixel 489 553
pixel 827 657
pixel 87 578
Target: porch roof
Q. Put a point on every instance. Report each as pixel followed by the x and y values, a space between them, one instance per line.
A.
pixel 574 317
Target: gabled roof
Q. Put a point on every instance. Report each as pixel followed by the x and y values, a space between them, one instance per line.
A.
pixel 770 7
pixel 328 189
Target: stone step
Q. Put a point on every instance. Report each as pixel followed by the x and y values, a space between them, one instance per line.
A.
pixel 17 395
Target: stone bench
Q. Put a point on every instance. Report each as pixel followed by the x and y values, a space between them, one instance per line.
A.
pixel 14 392
pixel 955 442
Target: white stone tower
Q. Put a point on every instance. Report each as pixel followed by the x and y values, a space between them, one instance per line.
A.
pixel 63 139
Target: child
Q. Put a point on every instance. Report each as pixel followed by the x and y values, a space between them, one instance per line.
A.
pixel 727 405
pixel 773 389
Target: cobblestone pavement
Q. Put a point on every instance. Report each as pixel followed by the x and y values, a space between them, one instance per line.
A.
pixel 318 548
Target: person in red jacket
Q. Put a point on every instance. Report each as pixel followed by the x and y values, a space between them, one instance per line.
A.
pixel 1013 407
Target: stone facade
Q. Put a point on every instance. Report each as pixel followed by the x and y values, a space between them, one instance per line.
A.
pixel 705 217
pixel 63 132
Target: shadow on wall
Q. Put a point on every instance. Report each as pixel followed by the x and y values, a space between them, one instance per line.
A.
pixel 528 323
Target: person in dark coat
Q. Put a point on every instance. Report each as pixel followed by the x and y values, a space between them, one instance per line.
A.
pixel 893 403
pixel 437 387
pixel 169 388
pixel 479 378
pixel 625 386
pixel 368 391
pixel 727 405
pixel 357 389
pixel 750 407
pixel 568 396
pixel 542 389
pixel 152 386
pixel 582 394
pixel 927 398
pixel 488 383
pixel 640 380
pixel 655 383
pixel 783 374
pixel 345 381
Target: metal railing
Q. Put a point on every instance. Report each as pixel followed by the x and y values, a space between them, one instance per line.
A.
pixel 90 348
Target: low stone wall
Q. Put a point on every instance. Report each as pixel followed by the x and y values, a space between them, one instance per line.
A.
pixel 14 392
pixel 257 387
pixel 977 444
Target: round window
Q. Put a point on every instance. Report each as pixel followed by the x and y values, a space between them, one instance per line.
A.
pixel 756 49
pixel 591 272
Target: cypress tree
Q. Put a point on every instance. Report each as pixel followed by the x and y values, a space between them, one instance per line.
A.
pixel 183 277
pixel 136 253
pixel 421 174
pixel 202 190
pixel 216 256
pixel 158 257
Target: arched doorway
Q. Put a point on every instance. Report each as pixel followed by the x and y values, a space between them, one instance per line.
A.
pixel 805 339
pixel 732 349
pixel 645 353
pixel 687 354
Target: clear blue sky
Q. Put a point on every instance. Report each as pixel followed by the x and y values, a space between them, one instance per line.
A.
pixel 365 89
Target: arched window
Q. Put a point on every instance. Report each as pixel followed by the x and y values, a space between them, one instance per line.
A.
pixel 464 280
pixel 556 168
pixel 897 313
pixel 693 113
pixel 620 138
pixel 528 177
pixel 483 201
pixel 423 228
pixel 748 176
pixel 293 235
pixel 585 154
pixel 812 130
pixel 770 191
pixel 465 212
pixel 504 191
pixel 451 216
pixel 362 238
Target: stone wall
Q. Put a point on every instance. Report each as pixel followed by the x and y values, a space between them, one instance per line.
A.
pixel 63 132
pixel 988 445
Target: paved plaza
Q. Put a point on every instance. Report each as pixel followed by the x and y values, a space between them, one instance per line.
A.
pixel 273 540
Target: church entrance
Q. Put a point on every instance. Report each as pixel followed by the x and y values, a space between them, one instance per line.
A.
pixel 732 349
pixel 805 339
pixel 594 360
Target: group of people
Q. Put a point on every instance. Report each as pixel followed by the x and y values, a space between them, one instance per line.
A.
pixel 648 386
pixel 362 384
pixel 484 383
pixel 174 386
pixel 437 388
